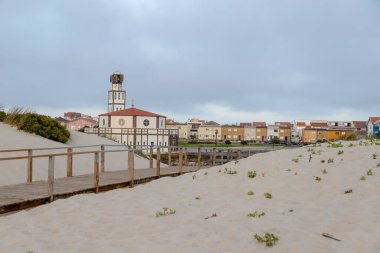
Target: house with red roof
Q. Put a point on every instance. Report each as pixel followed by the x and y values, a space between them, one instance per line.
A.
pixel 373 127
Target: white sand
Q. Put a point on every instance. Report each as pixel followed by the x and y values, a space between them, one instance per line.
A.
pixel 123 220
pixel 13 172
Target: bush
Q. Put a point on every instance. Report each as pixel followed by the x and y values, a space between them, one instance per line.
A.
pixel 275 140
pixel 244 143
pixel 228 142
pixel 2 116
pixel 39 124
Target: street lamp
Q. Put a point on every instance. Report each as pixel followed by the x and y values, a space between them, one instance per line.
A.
pixel 216 137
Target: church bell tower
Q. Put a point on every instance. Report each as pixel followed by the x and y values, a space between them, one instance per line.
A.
pixel 116 96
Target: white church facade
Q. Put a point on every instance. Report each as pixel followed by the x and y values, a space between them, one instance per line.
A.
pixel 132 126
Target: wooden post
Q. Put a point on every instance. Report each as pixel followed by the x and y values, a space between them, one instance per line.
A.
pixel 102 158
pixel 151 157
pixel 169 156
pixel 228 155
pixel 213 156
pixel 222 157
pixel 185 156
pixel 51 178
pixel 96 171
pixel 199 157
pixel 131 167
pixel 69 162
pixel 30 166
pixel 180 162
pixel 238 154
pixel 158 162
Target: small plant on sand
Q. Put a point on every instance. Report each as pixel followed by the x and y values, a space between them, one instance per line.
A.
pixel 206 173
pixel 236 162
pixel 256 214
pixel 197 198
pixel 296 160
pixel 374 156
pixel 300 156
pixel 317 179
pixel 340 152
pixel 351 145
pixel 230 172
pixel 251 174
pixel 194 176
pixel 219 170
pixel 378 165
pixel 362 178
pixel 268 239
pixel 263 174
pixel 166 211
pixel 323 161
pixel 370 172
pixel 267 195
pixel 295 173
pixel 319 152
pixel 250 193
pixel 330 160
pixel 337 145
pixel 310 149
pixel 324 171
pixel 313 152
pixel 291 210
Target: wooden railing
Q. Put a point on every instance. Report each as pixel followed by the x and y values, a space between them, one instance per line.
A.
pixel 99 159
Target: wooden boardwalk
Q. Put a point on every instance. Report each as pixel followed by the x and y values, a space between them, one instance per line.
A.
pixel 26 195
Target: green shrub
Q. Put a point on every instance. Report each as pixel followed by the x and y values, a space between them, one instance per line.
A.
pixel 362 178
pixel 317 179
pixel 256 214
pixel 337 145
pixel 2 116
pixel 251 174
pixel 370 172
pixel 250 193
pixel 228 142
pixel 267 195
pixel 268 239
pixel 330 160
pixel 296 160
pixel 374 156
pixel 340 152
pixel 166 211
pixel 244 142
pixel 44 126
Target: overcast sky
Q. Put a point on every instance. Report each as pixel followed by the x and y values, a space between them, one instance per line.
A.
pixel 228 61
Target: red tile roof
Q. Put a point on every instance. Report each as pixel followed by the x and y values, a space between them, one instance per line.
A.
pixel 301 123
pixel 283 124
pixel 259 123
pixel 132 112
pixel 360 124
pixel 315 124
pixel 374 119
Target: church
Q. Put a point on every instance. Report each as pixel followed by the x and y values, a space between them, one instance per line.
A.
pixel 132 126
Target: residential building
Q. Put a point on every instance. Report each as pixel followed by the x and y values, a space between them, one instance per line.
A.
pixel 373 127
pixel 340 133
pixel 297 130
pixel 285 133
pixel 183 129
pixel 340 124
pixel 232 133
pixel 249 133
pixel 261 133
pixel 76 120
pixel 272 132
pixel 210 131
pixel 360 129
pixel 313 135
pixel 194 124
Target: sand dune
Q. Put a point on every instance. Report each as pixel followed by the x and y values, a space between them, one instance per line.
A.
pixel 13 172
pixel 300 211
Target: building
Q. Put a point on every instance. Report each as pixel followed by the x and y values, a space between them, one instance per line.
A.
pixel 273 132
pixel 116 96
pixel 183 129
pixel 194 124
pixel 297 130
pixel 261 133
pixel 360 129
pixel 210 131
pixel 313 135
pixel 285 133
pixel 132 126
pixel 249 133
pixel 76 120
pixel 373 127
pixel 232 133
pixel 340 124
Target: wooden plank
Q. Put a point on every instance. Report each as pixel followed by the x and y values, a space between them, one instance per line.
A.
pixel 96 171
pixel 131 167
pixel 158 163
pixel 69 162
pixel 30 166
pixel 102 158
pixel 170 156
pixel 199 157
pixel 213 156
pixel 51 178
pixel 180 161
pixel 151 158
pixel 185 156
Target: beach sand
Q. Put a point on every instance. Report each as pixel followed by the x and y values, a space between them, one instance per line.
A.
pixel 300 210
pixel 13 172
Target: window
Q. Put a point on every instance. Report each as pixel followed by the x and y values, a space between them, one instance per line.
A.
pixel 146 122
pixel 275 130
pixel 104 122
pixel 229 130
pixel 235 130
pixel 258 130
pixel 281 131
pixel 118 95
